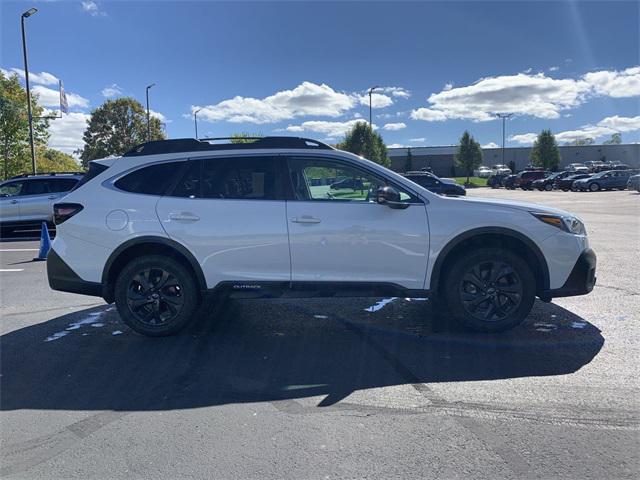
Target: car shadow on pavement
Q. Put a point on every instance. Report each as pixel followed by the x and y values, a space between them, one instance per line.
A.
pixel 258 350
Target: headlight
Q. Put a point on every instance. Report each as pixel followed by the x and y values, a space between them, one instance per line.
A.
pixel 568 224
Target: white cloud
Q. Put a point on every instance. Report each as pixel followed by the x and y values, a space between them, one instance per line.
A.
pixel 394 126
pixel 396 145
pixel 92 8
pixel 491 145
pixel 617 84
pixel 66 132
pixel 554 69
pixel 159 116
pixel 49 97
pixel 428 115
pixel 524 138
pixel 604 128
pixel 397 92
pixel 331 129
pixel 42 78
pixel 535 95
pixel 448 86
pixel 305 99
pixel 112 90
pixel 418 140
pixel 378 100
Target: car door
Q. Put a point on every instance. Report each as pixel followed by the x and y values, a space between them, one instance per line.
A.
pixel 230 213
pixel 10 201
pixel 36 201
pixel 343 235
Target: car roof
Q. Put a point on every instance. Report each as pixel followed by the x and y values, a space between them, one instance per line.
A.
pixel 44 176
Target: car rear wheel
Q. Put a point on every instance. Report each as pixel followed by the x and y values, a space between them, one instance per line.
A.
pixel 156 295
pixel 490 290
pixel 594 187
pixel 548 187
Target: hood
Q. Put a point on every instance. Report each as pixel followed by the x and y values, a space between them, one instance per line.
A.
pixel 524 206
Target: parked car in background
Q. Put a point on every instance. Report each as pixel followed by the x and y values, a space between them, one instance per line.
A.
pixel 593 165
pixel 442 186
pixel 613 179
pixel 496 180
pixel 524 179
pixel 621 166
pixel 566 184
pixel 500 169
pixel 352 183
pixel 482 172
pixel 634 183
pixel 27 200
pixel 577 168
pixel 548 182
pixel 509 182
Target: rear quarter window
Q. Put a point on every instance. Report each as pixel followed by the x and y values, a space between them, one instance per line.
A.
pixel 151 180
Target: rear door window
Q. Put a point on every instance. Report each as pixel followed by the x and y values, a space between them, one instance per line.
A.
pixel 61 184
pixel 241 178
pixel 35 187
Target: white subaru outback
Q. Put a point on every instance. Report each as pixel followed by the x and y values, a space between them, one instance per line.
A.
pixel 172 221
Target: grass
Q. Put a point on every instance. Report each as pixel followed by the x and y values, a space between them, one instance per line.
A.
pixel 473 181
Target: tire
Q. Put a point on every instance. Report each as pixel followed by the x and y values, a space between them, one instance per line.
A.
pixel 565 189
pixel 465 283
pixel 594 187
pixel 156 295
pixel 548 187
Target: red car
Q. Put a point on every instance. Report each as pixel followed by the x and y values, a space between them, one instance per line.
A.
pixel 526 178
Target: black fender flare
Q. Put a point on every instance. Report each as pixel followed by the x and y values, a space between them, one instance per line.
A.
pixel 530 244
pixel 165 242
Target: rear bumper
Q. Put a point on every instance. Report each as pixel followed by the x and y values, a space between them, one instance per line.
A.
pixel 63 278
pixel 581 280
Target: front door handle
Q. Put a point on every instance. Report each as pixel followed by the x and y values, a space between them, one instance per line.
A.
pixel 52 197
pixel 305 219
pixel 184 217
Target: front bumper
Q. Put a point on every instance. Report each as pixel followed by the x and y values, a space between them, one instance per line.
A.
pixel 581 280
pixel 62 277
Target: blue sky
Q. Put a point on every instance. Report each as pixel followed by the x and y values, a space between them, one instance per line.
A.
pixel 302 68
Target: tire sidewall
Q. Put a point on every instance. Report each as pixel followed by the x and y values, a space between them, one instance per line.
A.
pixel 459 268
pixel 186 280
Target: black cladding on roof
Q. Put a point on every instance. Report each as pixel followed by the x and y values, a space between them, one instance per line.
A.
pixel 157 147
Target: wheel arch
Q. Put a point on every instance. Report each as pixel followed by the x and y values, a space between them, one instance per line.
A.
pixel 491 237
pixel 147 245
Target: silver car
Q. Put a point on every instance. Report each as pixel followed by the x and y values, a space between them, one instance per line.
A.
pixel 27 200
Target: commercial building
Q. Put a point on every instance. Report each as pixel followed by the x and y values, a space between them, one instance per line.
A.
pixel 441 159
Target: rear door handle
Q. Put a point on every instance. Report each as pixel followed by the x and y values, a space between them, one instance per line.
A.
pixel 184 217
pixel 305 219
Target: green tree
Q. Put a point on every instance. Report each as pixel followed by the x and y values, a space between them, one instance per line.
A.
pixel 244 137
pixel 363 141
pixel 115 127
pixel 616 139
pixel 14 126
pixel 408 163
pixel 51 160
pixel 545 151
pixel 469 154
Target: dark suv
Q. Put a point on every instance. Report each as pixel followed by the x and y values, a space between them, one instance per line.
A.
pixel 442 186
pixel 526 178
pixel 548 182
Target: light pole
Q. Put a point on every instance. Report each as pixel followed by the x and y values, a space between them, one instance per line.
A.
pixel 370 92
pixel 195 120
pixel 504 117
pixel 27 14
pixel 148 117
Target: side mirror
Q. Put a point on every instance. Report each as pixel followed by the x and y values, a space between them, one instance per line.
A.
pixel 390 197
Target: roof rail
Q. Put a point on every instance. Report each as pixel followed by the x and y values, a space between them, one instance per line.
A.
pixel 192 145
pixel 41 174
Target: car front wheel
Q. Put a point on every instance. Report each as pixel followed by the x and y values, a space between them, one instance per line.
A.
pixel 490 290
pixel 156 295
pixel 594 187
pixel 548 187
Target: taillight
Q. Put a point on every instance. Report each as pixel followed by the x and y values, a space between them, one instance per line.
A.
pixel 64 211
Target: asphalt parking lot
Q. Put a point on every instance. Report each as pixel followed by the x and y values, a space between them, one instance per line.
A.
pixel 341 388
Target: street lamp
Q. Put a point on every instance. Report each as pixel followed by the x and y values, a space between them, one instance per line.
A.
pixel 148 117
pixel 370 92
pixel 503 116
pixel 27 14
pixel 195 120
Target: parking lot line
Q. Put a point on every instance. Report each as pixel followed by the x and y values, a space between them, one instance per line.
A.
pixel 18 249
pixel 11 269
